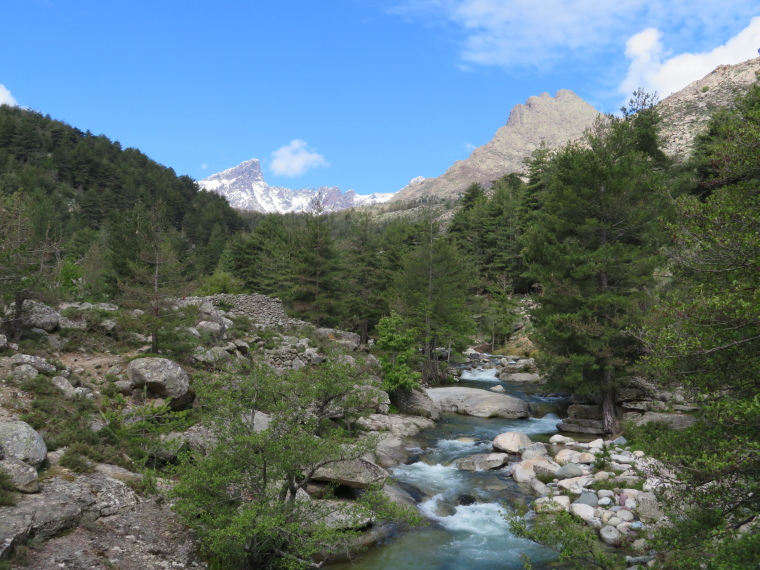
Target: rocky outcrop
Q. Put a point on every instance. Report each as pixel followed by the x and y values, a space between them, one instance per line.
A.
pixel 478 403
pixel 141 535
pixel 62 505
pixel 161 377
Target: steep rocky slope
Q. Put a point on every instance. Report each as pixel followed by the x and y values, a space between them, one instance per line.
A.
pixel 552 121
pixel 686 113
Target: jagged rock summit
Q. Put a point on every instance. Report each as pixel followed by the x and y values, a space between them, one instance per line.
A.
pixel 542 119
pixel 245 189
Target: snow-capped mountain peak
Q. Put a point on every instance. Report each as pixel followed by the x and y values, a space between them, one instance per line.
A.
pixel 245 188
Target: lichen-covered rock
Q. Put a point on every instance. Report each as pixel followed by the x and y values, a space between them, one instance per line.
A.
pixel 20 373
pixel 355 473
pixel 18 440
pixel 162 377
pixel 23 475
pixel 398 425
pixel 38 315
pixel 39 364
pixel 69 392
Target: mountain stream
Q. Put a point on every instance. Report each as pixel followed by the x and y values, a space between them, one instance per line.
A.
pixel 466 527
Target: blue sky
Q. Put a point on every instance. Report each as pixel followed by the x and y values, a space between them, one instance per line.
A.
pixel 362 94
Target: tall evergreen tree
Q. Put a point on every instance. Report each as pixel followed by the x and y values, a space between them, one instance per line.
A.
pixel 591 251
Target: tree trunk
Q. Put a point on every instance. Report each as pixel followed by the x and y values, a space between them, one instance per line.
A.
pixel 16 328
pixel 609 415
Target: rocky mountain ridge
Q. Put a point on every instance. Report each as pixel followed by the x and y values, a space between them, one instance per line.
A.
pixel 543 119
pixel 245 189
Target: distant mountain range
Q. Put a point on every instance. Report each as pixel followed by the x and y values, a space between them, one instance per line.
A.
pixel 245 189
pixel 543 119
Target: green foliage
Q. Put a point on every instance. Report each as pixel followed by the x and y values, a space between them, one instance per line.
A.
pixel 398 350
pixel 591 249
pixel 61 422
pixel 218 283
pixel 82 184
pixel 705 335
pixel 576 544
pixel 242 497
pixel 431 296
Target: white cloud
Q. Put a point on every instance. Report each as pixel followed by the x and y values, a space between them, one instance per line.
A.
pixel 469 147
pixel 5 97
pixel 204 166
pixel 525 33
pixel 294 159
pixel 655 69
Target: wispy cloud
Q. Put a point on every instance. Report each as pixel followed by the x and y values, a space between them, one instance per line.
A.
pixel 5 96
pixel 295 159
pixel 204 166
pixel 469 147
pixel 655 69
pixel 525 33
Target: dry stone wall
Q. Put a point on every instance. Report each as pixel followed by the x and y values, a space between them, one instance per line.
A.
pixel 261 309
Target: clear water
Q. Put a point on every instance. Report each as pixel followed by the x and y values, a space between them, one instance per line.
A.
pixel 473 536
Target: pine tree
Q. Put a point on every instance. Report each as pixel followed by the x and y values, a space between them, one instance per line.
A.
pixel 591 251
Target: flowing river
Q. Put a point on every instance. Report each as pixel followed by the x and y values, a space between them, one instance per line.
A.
pixel 465 509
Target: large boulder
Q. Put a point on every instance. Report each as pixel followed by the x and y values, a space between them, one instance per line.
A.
pixel 346 339
pixel 511 442
pixel 39 364
pixel 356 473
pixel 162 377
pixel 397 425
pixel 415 403
pixel 478 403
pixel 482 461
pixel 526 470
pixel 23 476
pixel 18 440
pixel 38 315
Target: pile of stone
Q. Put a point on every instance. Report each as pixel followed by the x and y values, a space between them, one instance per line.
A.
pixel 261 309
pixel 619 514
